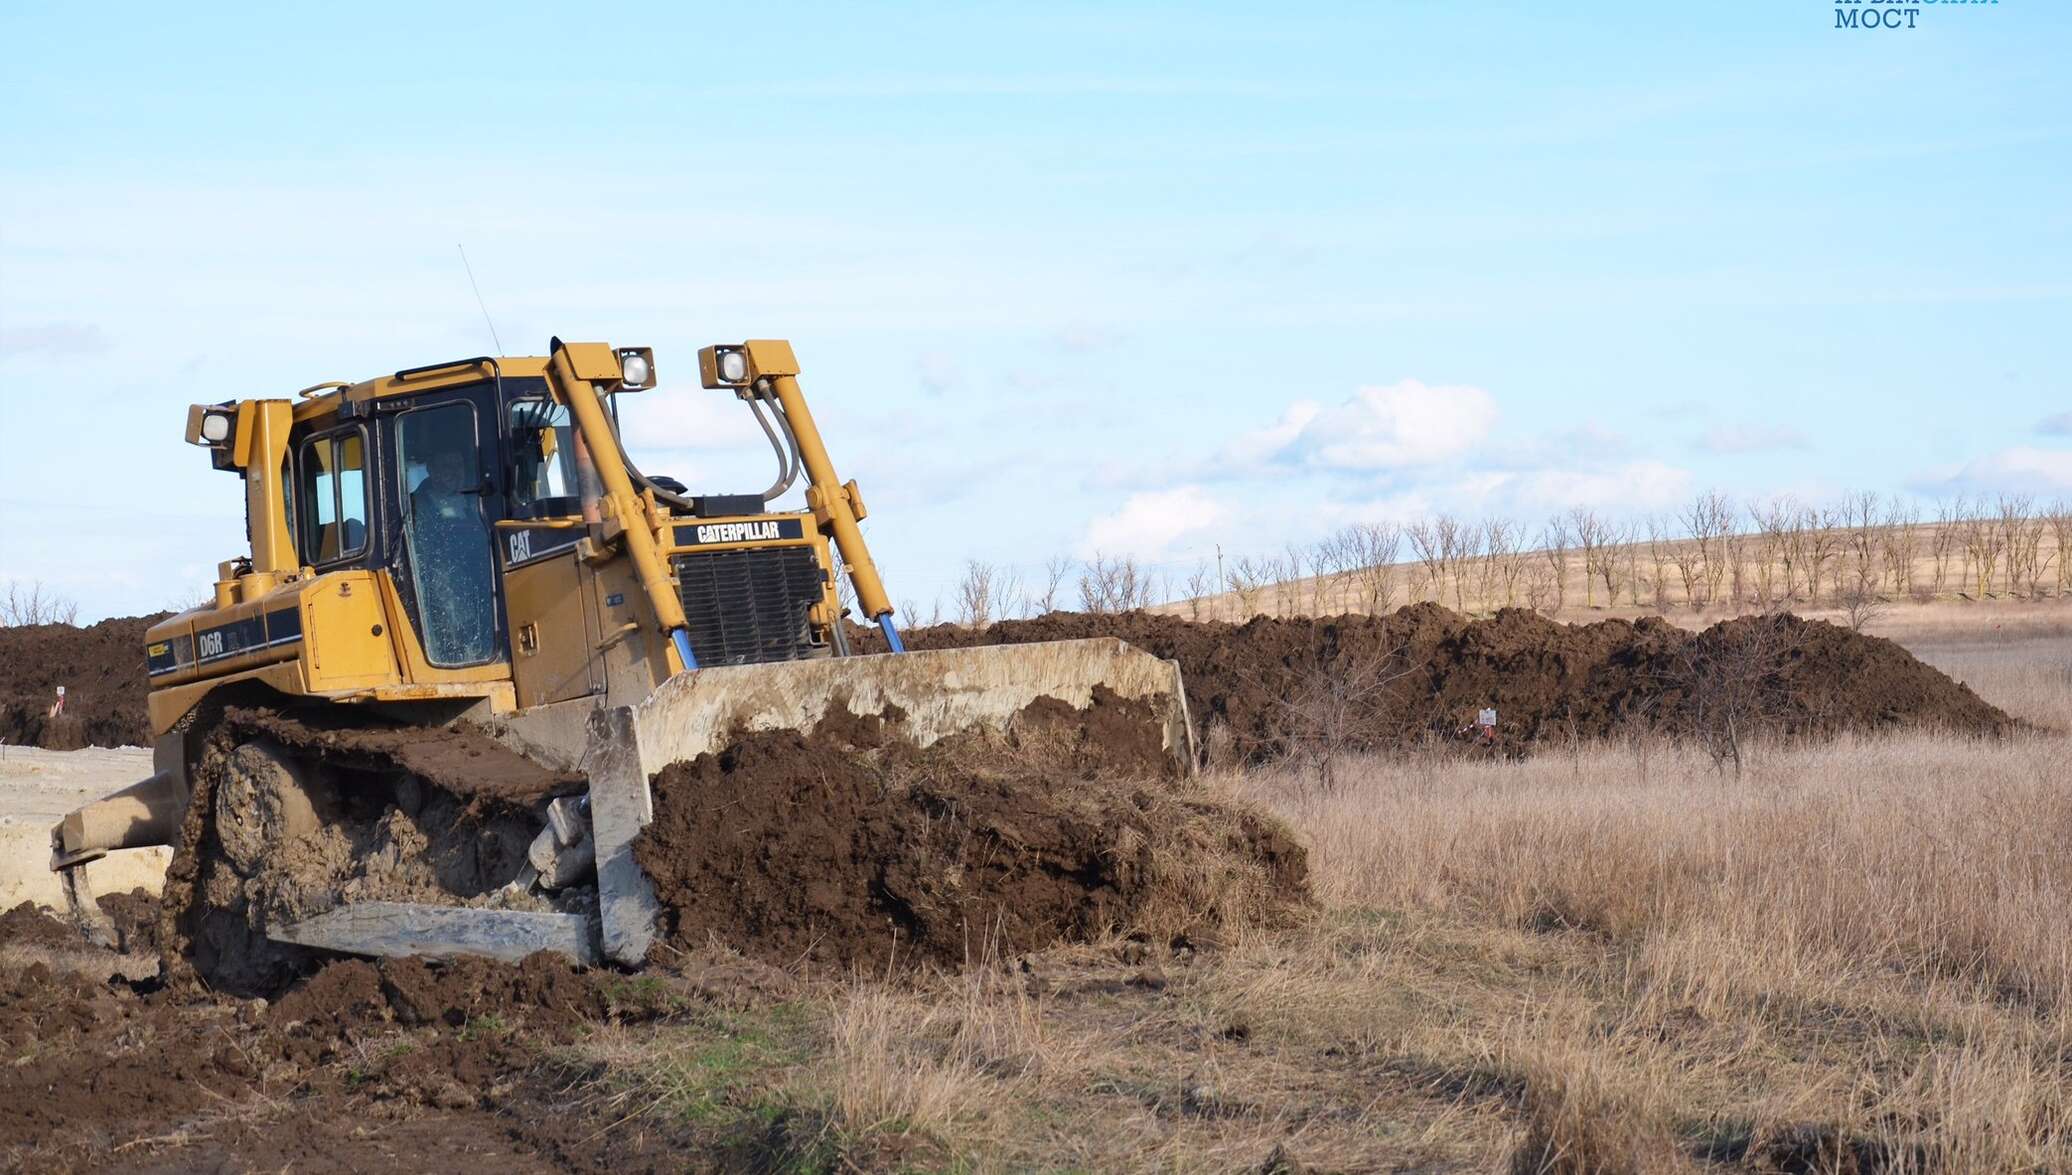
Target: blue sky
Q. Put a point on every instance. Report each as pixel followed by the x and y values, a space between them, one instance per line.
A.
pixel 1064 278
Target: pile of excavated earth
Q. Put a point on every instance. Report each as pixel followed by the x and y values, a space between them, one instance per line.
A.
pixel 1401 679
pixel 845 847
pixel 1423 673
pixel 101 668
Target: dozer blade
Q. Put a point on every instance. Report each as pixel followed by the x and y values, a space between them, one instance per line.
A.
pixel 924 696
pixel 399 929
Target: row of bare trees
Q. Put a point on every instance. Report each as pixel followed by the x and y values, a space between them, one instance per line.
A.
pixel 25 603
pixel 1713 553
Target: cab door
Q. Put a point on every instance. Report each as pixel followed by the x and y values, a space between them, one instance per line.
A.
pixel 551 596
pixel 447 504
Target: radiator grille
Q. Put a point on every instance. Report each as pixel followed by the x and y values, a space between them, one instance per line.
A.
pixel 749 606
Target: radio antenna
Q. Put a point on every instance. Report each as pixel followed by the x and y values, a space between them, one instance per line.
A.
pixel 478 298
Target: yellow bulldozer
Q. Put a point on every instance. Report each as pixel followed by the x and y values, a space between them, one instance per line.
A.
pixel 422 715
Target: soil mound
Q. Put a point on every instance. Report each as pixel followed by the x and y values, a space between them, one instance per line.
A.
pixel 132 916
pixel 834 848
pixel 30 925
pixel 100 666
pixel 1421 673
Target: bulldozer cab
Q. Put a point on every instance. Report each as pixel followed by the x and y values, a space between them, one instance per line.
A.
pixel 414 490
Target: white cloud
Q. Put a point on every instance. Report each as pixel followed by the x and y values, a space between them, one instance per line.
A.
pixel 1531 494
pixel 1728 439
pixel 688 419
pixel 1378 428
pixel 1149 523
pixel 1634 485
pixel 1264 444
pixel 2021 468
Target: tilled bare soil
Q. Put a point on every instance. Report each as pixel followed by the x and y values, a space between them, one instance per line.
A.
pixel 397 1065
pixel 1422 672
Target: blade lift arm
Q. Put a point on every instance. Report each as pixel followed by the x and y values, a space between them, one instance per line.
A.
pixel 575 372
pixel 771 369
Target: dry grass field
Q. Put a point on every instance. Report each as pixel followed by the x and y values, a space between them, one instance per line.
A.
pixel 1857 957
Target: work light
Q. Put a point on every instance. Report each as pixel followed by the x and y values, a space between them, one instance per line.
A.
pixel 636 368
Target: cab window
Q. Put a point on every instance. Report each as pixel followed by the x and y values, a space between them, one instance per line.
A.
pixel 332 493
pixel 543 455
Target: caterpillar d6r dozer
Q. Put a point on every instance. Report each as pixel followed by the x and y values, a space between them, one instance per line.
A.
pixel 422 715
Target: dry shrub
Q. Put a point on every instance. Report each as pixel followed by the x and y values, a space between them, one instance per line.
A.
pixel 1577 1124
pixel 947 1061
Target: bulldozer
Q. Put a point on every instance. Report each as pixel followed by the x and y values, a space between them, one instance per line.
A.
pixel 468 634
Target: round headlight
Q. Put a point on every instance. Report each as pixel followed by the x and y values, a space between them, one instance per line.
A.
pixel 215 428
pixel 733 366
pixel 637 371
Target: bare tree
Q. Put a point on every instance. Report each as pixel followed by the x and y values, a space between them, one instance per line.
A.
pixel 1774 552
pixel 1364 557
pixel 1860 606
pixel 1861 515
pixel 1459 543
pixel 1503 562
pixel 1329 707
pixel 1589 532
pixel 977 594
pixel 1618 539
pixel 1250 577
pixel 1554 540
pixel 1288 583
pixel 1540 588
pixel 32 603
pixel 1707 520
pixel 1200 582
pixel 1118 584
pixel 1661 552
pixel 1901 541
pixel 1690 569
pixel 1431 557
pixel 1055 569
pixel 1982 551
pixel 1823 542
pixel 1733 684
pixel 1945 540
pixel 2060 516
pixel 2021 537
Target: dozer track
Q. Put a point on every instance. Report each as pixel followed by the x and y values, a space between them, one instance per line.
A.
pixel 296 814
